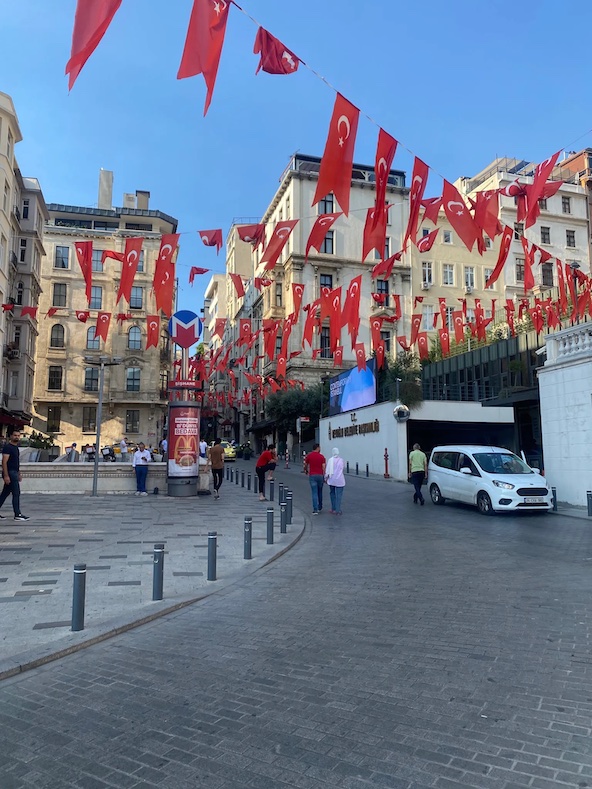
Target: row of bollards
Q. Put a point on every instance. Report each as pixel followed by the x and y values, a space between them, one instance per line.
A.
pixel 285 497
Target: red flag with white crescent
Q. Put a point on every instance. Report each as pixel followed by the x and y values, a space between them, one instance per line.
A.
pixel 131 259
pixel 338 356
pixel 385 268
pixel 422 345
pixel 91 21
pixel 385 153
pixel 402 341
pixel 528 275
pixel 442 308
pixel 379 351
pixel 459 216
pixel 244 332
pixel 270 332
pixel 425 243
pixel 561 285
pixel 280 370
pixel 109 253
pixel 535 192
pixel 252 234
pixel 416 319
pixel 82 315
pixel 350 315
pixel 297 293
pixel 487 211
pixel 335 318
pixel 194 271
pixel 360 352
pixel 219 327
pixel 375 329
pixel 152 324
pixel 211 238
pixel 458 322
pixel 397 306
pixel 51 312
pixel 102 327
pixel 419 182
pixel 444 341
pixel 84 255
pixel 321 227
pixel 31 311
pixel 163 282
pixel 238 283
pixel 338 157
pixel 279 237
pixel 504 251
pixel 204 42
pixel 375 231
pixel 431 206
pixel 275 57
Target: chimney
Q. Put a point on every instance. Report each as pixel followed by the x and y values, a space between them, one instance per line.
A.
pixel 142 199
pixel 106 189
pixel 129 200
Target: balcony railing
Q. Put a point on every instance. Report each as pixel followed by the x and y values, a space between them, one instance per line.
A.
pixel 569 344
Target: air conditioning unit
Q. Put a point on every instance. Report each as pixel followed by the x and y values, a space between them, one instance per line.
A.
pixel 14 353
pixel 468 290
pixel 426 285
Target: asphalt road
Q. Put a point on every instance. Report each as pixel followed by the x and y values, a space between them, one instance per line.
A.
pixel 396 646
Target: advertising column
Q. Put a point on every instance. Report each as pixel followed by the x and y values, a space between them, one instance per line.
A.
pixel 183 449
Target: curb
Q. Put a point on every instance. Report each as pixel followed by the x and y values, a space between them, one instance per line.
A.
pixel 18 664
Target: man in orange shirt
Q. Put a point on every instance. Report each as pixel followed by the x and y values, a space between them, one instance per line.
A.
pixel 315 465
pixel 217 460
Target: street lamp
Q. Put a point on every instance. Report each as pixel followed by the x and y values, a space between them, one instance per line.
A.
pixel 101 363
pixel 574 265
pixel 324 380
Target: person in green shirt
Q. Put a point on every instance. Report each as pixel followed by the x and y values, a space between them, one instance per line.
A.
pixel 418 468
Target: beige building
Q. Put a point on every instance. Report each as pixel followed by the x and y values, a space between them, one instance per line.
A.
pixel 67 378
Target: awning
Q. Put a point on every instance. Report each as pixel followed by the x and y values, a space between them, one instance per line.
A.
pixel 6 418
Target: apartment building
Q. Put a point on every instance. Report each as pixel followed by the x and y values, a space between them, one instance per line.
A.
pixel 69 355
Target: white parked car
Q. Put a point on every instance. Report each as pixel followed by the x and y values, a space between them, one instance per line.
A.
pixel 492 478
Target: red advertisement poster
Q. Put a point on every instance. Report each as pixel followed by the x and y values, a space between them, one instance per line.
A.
pixel 183 438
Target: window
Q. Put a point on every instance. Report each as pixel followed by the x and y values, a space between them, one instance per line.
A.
pixel 56 338
pixel 449 318
pixel 326 281
pixel 570 238
pixel 54 417
pixel 20 292
pixel 447 236
pixel 91 379
pixel 2 250
pixel 327 245
pixel 566 205
pixel 54 378
pixel 427 311
pixel 518 230
pixel 387 250
pixel 278 344
pixel 424 232
pixel 89 419
pixel 543 204
pixel 385 336
pixel 519 270
pixel 92 343
pixel 132 379
pixel 25 209
pixel 426 272
pixel 102 225
pixel 59 295
pixel 62 257
pixel 487 242
pixel 469 277
pixel 23 250
pixel 96 297
pixel 141 262
pixel 487 272
pixel 97 255
pixel 547 272
pixel 545 235
pixel 448 274
pixel 278 294
pixel 14 376
pixel 136 298
pixel 326 205
pixel 6 203
pixel 16 341
pixel 134 338
pixel 132 421
pixel 326 343
pixel 382 286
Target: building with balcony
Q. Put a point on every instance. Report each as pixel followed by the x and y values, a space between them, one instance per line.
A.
pixel 67 380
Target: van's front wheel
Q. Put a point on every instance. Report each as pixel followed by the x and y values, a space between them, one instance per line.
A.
pixel 484 503
pixel 435 494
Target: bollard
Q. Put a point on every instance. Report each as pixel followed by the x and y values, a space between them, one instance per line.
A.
pixel 303 469
pixel 289 506
pixel 347 467
pixel 227 473
pixel 589 497
pixel 249 481
pixel 212 547
pixel 242 479
pixel 248 535
pixel 554 498
pixel 231 475
pixel 270 525
pixel 256 484
pixel 283 517
pixel 386 460
pixel 287 456
pixel 281 492
pixel 367 472
pixel 236 476
pixel 271 490
pixel 158 571
pixel 357 470
pixel 78 595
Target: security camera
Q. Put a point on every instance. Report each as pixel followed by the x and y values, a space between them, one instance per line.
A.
pixel 401 413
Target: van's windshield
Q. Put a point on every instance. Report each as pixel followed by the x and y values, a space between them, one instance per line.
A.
pixel 501 463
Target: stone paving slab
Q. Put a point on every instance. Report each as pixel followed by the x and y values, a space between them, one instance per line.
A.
pixel 115 536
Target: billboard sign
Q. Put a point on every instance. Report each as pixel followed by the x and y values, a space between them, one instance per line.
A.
pixel 353 389
pixel 183 440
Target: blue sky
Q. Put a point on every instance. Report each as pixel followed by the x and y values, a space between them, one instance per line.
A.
pixel 458 83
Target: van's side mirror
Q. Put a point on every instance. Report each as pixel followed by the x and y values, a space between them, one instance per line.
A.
pixel 466 470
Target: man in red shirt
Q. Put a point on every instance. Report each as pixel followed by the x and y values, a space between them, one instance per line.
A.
pixel 266 464
pixel 314 465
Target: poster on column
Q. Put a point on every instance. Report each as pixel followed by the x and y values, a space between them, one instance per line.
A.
pixel 183 438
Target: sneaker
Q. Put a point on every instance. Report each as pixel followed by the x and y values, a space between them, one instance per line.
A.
pixel 315 512
pixel 2 517
pixel 143 493
pixel 137 493
pixel 22 517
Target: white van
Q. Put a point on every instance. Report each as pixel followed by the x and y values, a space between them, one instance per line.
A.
pixel 493 478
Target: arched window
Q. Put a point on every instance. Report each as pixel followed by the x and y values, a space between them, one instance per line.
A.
pixel 56 339
pixel 134 338
pixel 92 343
pixel 20 290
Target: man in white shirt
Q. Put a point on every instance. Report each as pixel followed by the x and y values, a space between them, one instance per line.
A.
pixel 164 445
pixel 123 448
pixel 140 462
pixel 203 448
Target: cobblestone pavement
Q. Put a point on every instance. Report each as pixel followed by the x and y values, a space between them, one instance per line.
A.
pixel 396 646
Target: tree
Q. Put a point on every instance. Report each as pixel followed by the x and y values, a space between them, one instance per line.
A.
pixel 403 375
pixel 286 407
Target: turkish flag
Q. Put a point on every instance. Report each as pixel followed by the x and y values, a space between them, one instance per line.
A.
pixel 431 206
pixel 109 253
pixel 417 300
pixel 504 251
pixel 238 284
pixel 397 306
pixel 152 324
pixel 385 267
pixel 9 307
pixel 536 315
pixel 335 318
pixel 338 356
pixel 510 310
pixel 379 351
pixel 321 227
pixel 91 21
pixel 84 255
pixel 31 311
pixel 194 271
pixel 297 293
pixel 102 327
pixel 163 282
pixel 541 174
pixel 275 57
pixel 351 308
pixel 337 162
pixel 244 331
pixel 309 324
pixel 442 308
pixel 279 237
pixel 486 212
pixel 375 329
pixel 82 315
pixel 379 298
pixel 459 216
pixel 375 231
pixel 544 256
pixel 204 42
pixel 280 370
pixel 422 345
pixel 131 258
pixel 123 316
pixel 385 153
pixel 415 326
pixel 561 284
pixel 211 238
pixel 270 331
pixel 419 182
pixel 402 341
pixel 425 243
pixel 219 327
pixel 528 275
pixel 459 329
pixel 360 352
pixel 252 234
pixel 444 341
pixel 51 312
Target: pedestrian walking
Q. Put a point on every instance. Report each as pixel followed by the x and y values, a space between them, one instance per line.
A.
pixel 418 468
pixel 12 476
pixel 336 480
pixel 203 448
pixel 164 445
pixel 216 454
pixel 123 449
pixel 314 465
pixel 265 465
pixel 140 461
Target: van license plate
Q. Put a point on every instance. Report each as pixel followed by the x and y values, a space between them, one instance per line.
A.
pixel 534 500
